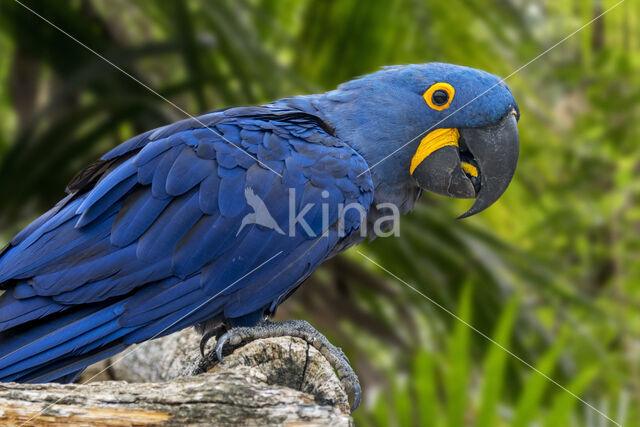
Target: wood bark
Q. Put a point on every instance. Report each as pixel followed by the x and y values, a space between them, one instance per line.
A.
pixel 276 381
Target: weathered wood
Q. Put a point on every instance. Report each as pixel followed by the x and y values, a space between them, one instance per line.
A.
pixel 271 381
pixel 164 359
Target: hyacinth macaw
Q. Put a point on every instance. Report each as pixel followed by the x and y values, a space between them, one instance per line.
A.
pixel 164 231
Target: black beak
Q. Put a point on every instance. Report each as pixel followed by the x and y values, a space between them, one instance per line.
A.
pixel 442 174
pixel 492 152
pixel 496 150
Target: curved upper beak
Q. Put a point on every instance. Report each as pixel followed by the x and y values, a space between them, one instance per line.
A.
pixel 480 164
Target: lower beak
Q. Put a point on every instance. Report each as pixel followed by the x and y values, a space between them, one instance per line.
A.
pixel 480 164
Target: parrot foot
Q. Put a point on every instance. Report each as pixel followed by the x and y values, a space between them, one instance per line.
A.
pixel 299 329
pixel 207 334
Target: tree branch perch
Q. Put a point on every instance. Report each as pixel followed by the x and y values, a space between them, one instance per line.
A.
pixel 270 381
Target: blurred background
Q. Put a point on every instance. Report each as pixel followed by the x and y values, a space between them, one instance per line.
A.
pixel 550 272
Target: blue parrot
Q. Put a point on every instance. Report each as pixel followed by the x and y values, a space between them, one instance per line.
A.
pixel 214 221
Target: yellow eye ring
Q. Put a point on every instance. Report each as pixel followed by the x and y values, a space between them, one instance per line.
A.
pixel 439 96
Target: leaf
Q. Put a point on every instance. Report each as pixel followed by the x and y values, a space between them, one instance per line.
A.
pixel 564 403
pixel 528 406
pixel 424 388
pixel 495 364
pixel 459 363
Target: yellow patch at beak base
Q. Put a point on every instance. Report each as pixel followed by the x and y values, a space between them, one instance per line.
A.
pixel 470 169
pixel 433 141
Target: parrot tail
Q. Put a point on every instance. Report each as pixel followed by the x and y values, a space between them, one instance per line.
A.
pixel 58 347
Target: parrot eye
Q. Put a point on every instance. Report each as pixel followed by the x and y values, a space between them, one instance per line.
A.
pixel 439 96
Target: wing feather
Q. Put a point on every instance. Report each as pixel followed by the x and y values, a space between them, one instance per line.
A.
pixel 156 244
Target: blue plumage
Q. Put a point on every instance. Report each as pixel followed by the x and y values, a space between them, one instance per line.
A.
pixel 187 171
pixel 120 283
pixel 152 238
pixel 96 209
pixel 201 245
pixel 108 186
pixel 167 230
pixel 162 226
pixel 15 310
pixel 138 212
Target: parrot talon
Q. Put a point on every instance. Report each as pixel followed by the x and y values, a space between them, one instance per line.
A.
pixel 220 345
pixel 205 338
pixel 299 329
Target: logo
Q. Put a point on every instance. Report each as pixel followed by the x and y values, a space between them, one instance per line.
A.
pixel 260 215
pixel 387 217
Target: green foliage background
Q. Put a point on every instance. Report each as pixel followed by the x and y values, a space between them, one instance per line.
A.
pixel 550 272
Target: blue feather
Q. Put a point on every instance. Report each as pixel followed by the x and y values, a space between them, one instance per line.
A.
pixel 208 238
pixel 79 331
pixel 162 302
pixel 187 171
pixel 189 138
pixel 23 290
pixel 115 177
pixel 206 149
pixel 292 269
pixel 100 206
pixel 209 189
pixel 57 245
pixel 261 181
pixel 66 370
pixel 134 275
pixel 146 172
pixel 151 151
pixel 138 212
pixel 84 271
pixel 39 222
pixel 159 181
pixel 226 156
pixel 177 320
pixel 61 217
pixel 276 145
pixel 232 186
pixel 237 263
pixel 27 359
pixel 14 312
pixel 174 222
pixel 229 131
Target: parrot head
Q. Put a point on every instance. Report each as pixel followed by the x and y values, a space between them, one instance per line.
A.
pixel 444 128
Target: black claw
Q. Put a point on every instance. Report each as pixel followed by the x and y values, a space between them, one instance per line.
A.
pixel 357 395
pixel 220 345
pixel 205 338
